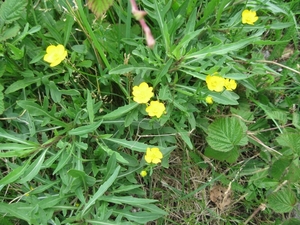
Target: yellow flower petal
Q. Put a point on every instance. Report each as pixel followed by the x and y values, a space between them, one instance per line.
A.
pixel 142 93
pixel 215 83
pixel 156 108
pixel 209 100
pixel 230 84
pixel 55 54
pixel 143 173
pixel 249 17
pixel 153 155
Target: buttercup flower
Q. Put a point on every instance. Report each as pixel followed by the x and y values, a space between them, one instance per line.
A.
pixel 142 93
pixel 55 54
pixel 209 100
pixel 156 108
pixel 230 84
pixel 215 83
pixel 153 155
pixel 249 17
pixel 143 173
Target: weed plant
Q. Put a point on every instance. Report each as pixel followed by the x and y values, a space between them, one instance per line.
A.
pixel 149 112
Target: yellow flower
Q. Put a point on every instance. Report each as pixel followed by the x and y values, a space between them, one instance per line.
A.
pixel 156 108
pixel 55 54
pixel 153 155
pixel 142 93
pixel 209 100
pixel 249 17
pixel 143 173
pixel 230 84
pixel 215 83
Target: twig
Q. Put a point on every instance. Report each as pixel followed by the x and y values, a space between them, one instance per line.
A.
pixel 278 64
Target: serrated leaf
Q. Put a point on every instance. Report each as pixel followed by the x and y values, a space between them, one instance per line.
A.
pixel 290 140
pixel 9 33
pixel 282 201
pixel 226 133
pixel 99 7
pixel 11 10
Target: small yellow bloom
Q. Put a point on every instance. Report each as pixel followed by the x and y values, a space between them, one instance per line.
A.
pixel 209 100
pixel 143 173
pixel 249 17
pixel 55 54
pixel 215 83
pixel 153 155
pixel 156 108
pixel 142 93
pixel 230 84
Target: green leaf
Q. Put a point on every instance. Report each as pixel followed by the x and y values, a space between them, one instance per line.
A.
pixel 83 130
pixel 11 11
pixel 103 188
pixel 110 152
pixel 34 168
pixel 133 145
pixel 120 111
pixel 16 149
pixel 15 174
pixel 123 69
pixel 21 84
pixel 1 99
pixel 230 156
pixel 138 217
pixel 9 33
pixel 282 201
pixel 226 133
pixel 290 140
pixel 90 106
pixel 278 168
pixel 36 110
pixel 99 7
pixel 88 181
pixel 292 221
pixel 127 200
pixel 220 49
pixel 18 210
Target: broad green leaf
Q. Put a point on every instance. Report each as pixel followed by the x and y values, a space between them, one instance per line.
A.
pixel 9 33
pixel 103 188
pixel 36 110
pixel 20 84
pixel 65 158
pixel 99 7
pixel 85 63
pixel 88 181
pixel 11 10
pixel 230 156
pixel 83 130
pixel 119 112
pixel 290 140
pixel 54 92
pixel 50 201
pixel 279 167
pixel 15 174
pixel 110 152
pixel 282 201
pixel 133 145
pixel 13 137
pixel 226 133
pixel 33 169
pixel 292 221
pixel 141 217
pixel 220 49
pixel 18 210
